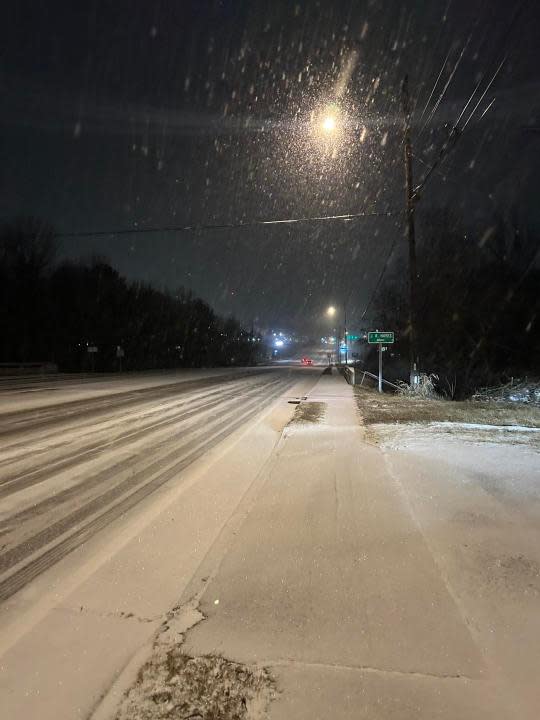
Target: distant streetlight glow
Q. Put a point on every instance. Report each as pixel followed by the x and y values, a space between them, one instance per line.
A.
pixel 331 312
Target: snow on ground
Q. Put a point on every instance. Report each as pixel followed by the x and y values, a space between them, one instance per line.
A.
pixel 420 436
pixel 505 462
pixel 479 426
pixel 394 581
pixel 470 475
pixel 62 389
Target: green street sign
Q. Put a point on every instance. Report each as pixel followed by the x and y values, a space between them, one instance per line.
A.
pixel 380 338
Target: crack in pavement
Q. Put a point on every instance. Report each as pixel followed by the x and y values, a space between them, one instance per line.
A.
pixel 269 663
pixel 119 614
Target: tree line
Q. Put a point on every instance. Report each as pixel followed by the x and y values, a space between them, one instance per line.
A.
pixel 477 306
pixel 54 311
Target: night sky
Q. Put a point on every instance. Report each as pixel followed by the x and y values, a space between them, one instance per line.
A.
pixel 144 113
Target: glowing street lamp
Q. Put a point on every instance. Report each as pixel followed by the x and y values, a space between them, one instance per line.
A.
pixel 331 312
pixel 329 124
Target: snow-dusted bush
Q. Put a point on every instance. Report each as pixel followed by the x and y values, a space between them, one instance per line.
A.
pixel 425 388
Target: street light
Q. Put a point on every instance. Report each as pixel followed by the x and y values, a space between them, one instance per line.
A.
pixel 329 124
pixel 331 312
pixel 330 119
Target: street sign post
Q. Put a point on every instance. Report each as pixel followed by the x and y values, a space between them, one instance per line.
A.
pixel 119 355
pixel 380 339
pixel 92 350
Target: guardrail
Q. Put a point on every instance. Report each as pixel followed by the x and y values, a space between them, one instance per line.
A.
pixel 376 377
pixel 355 376
pixel 29 368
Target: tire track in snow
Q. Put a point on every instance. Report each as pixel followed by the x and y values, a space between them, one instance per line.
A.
pixel 24 562
pixel 19 481
pixel 56 414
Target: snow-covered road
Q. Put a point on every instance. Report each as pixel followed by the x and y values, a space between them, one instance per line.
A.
pixel 70 468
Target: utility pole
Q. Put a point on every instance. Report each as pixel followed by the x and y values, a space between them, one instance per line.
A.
pixel 410 203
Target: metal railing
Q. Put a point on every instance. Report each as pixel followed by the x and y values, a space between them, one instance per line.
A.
pixel 351 374
pixel 376 378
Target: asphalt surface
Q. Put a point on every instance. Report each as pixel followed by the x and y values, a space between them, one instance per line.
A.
pixel 69 469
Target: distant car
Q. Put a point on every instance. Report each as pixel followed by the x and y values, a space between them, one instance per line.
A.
pixel 307 361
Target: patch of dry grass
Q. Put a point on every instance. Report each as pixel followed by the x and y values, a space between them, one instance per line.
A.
pixel 175 685
pixel 309 412
pixel 389 408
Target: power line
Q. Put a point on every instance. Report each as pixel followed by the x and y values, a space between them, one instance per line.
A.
pixel 452 74
pixel 462 113
pixel 434 86
pixel 482 96
pixel 379 281
pixel 226 226
pixel 457 131
pixel 487 108
pixel 516 16
pixel 435 47
pixel 442 174
pixel 445 88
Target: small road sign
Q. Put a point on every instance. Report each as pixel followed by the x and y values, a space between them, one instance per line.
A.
pixel 380 338
pixel 92 349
